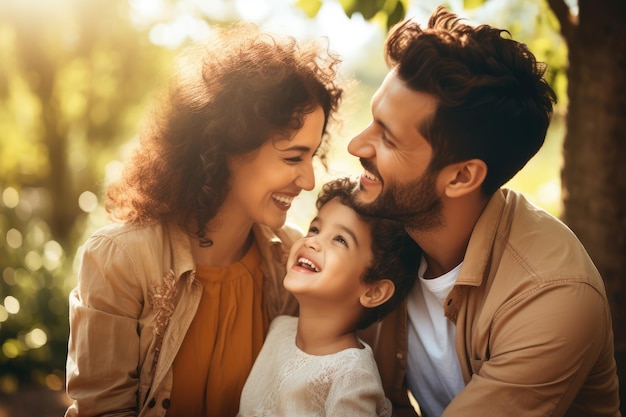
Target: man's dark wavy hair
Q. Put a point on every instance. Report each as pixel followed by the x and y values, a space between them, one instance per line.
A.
pixel 493 102
pixel 395 256
pixel 228 96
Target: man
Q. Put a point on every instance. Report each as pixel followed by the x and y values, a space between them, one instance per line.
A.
pixel 509 316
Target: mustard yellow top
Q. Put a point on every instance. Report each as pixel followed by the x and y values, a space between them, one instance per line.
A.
pixel 223 340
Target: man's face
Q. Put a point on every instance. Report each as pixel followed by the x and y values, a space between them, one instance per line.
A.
pixel 396 182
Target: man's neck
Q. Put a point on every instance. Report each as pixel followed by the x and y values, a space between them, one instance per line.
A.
pixel 444 248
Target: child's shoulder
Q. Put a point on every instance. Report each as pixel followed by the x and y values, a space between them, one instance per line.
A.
pixel 284 321
pixel 284 326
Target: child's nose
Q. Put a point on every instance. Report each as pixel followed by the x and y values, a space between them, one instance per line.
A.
pixel 312 243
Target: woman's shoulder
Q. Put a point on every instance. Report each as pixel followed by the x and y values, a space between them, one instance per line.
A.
pixel 287 234
pixel 122 233
pixel 290 231
pixel 154 237
pixel 116 229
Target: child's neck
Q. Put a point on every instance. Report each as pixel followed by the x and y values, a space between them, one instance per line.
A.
pixel 325 335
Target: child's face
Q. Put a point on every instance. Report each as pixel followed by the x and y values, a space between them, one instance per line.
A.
pixel 328 264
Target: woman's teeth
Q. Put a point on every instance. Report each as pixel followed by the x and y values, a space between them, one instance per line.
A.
pixel 283 199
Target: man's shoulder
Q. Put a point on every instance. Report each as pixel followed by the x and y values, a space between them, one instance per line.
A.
pixel 540 245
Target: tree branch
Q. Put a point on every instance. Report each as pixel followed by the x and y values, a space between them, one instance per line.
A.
pixel 567 20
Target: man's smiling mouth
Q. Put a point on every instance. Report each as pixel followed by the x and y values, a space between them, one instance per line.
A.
pixel 367 174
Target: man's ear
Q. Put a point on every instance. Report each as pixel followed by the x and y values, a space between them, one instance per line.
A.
pixel 464 177
pixel 377 293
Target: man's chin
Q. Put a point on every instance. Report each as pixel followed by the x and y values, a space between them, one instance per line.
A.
pixel 366 204
pixel 364 197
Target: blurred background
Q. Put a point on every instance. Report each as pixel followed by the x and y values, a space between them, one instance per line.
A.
pixel 76 78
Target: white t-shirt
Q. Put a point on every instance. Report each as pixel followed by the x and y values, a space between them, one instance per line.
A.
pixel 286 381
pixel 434 375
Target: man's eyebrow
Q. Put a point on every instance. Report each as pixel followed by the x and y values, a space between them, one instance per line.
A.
pixel 386 129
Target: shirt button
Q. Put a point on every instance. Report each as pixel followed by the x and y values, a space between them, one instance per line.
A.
pixel 152 403
pixel 166 403
pixel 400 355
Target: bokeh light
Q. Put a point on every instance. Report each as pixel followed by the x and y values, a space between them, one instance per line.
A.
pixel 36 338
pixel 11 304
pixel 14 238
pixel 10 197
pixel 88 201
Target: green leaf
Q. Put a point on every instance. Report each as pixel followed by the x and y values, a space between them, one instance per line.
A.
pixel 397 15
pixel 368 8
pixel 348 6
pixel 472 4
pixel 310 7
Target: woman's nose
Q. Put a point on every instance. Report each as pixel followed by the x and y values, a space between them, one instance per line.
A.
pixel 306 176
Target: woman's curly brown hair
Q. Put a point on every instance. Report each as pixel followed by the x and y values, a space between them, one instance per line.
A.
pixel 228 97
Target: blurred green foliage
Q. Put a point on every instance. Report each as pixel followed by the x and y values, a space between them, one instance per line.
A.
pixel 76 77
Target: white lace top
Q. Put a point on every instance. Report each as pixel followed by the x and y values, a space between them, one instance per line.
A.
pixel 287 382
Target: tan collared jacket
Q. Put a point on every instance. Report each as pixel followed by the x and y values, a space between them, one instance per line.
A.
pixel 533 327
pixel 135 299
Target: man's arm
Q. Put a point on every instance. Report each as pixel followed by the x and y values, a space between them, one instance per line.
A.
pixel 542 348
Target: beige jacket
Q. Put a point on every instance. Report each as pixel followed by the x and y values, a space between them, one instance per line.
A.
pixel 135 299
pixel 533 327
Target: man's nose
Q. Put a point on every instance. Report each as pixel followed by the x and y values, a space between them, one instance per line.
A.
pixel 361 145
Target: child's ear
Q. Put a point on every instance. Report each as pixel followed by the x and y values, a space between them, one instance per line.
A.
pixel 377 293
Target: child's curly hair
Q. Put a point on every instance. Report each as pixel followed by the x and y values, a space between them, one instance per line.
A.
pixel 395 255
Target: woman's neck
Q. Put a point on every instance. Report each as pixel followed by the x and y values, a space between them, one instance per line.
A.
pixel 230 240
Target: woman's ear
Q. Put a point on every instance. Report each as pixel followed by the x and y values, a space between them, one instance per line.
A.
pixel 464 177
pixel 378 292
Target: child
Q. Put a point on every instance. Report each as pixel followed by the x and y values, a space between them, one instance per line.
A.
pixel 346 273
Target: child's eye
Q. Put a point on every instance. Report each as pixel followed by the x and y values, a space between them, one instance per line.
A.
pixel 341 240
pixel 313 230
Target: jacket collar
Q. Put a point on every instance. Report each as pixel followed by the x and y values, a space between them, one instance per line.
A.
pixel 270 245
pixel 482 240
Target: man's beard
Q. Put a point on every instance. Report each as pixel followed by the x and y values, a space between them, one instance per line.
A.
pixel 416 204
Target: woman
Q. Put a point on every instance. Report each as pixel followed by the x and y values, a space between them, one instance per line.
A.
pixel 173 302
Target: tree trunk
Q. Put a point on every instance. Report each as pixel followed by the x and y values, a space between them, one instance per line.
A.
pixel 62 209
pixel 594 171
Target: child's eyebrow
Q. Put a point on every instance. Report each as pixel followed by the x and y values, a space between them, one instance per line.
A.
pixel 351 233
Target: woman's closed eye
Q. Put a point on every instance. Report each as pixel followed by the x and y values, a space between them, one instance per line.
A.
pixel 293 160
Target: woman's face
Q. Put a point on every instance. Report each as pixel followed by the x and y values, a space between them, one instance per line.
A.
pixel 264 182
